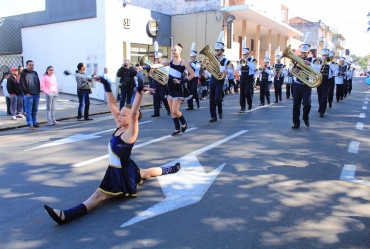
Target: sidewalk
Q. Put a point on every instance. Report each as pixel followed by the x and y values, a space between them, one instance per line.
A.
pixel 66 108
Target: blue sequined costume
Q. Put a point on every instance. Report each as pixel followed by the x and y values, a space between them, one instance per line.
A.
pixel 122 175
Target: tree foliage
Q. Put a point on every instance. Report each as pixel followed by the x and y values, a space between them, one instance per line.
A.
pixel 362 61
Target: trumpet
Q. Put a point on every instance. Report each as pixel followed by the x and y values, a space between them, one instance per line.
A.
pixel 244 61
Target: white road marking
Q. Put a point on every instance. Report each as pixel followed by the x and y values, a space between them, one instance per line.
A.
pixel 348 174
pixel 259 107
pixel 362 115
pixel 364 107
pixel 353 147
pixel 365 102
pixel 135 147
pixel 360 126
pixel 186 187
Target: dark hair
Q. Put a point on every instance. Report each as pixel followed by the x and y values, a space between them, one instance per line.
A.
pixel 79 66
pixel 4 74
pixel 19 67
pixel 137 64
pixel 47 69
pixel 180 45
pixel 28 62
pixel 140 114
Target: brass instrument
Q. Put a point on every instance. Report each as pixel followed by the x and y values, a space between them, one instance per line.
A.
pixel 307 74
pixel 327 61
pixel 280 71
pixel 211 63
pixel 157 74
pixel 244 61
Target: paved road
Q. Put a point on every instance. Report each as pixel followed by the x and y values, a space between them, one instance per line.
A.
pixel 276 187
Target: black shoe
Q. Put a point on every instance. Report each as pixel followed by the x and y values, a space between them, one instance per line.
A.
pixel 261 104
pixel 189 109
pixel 295 126
pixel 280 98
pixel 88 119
pixel 220 115
pixel 198 106
pixel 337 100
pixel 275 101
pixel 168 113
pixel 268 102
pixel 241 111
pixel 307 123
pixel 213 120
pixel 155 115
pixel 183 128
pixel 57 219
pixel 321 114
pixel 175 133
pixel 330 105
pixel 249 107
pixel 341 98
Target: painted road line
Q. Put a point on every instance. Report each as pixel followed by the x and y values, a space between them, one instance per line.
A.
pixel 348 175
pixel 186 187
pixel 135 147
pixel 76 138
pixel 365 102
pixel 360 126
pixel 353 147
pixel 258 108
pixel 362 115
pixel 364 107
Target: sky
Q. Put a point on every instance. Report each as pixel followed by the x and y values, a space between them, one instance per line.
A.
pixel 350 17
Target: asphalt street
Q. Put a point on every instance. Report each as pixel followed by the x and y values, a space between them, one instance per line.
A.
pixel 248 180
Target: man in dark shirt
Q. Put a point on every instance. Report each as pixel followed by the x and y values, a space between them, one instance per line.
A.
pixel 15 91
pixel 31 87
pixel 126 74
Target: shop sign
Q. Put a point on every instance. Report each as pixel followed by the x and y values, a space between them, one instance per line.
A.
pixel 126 23
pixel 152 28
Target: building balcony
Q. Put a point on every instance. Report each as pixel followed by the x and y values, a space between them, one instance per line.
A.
pixel 340 44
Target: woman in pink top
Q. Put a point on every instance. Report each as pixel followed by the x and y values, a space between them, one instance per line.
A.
pixel 49 86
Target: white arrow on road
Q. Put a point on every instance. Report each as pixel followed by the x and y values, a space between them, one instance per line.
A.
pixel 75 138
pixel 185 187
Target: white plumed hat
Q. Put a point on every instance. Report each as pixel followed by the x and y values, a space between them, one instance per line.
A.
pixel 325 51
pixel 277 53
pixel 305 47
pixel 192 50
pixel 157 54
pixel 266 59
pixel 244 47
pixel 342 56
pixel 219 43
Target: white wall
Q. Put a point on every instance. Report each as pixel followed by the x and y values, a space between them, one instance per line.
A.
pixel 63 46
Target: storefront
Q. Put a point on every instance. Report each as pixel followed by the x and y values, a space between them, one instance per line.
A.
pixel 98 33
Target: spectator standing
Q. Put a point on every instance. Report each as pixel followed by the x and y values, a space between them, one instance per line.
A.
pixel 237 80
pixel 24 97
pixel 126 74
pixel 231 79
pixel 204 84
pixel 31 87
pixel 5 91
pixel 83 91
pixel 49 86
pixel 15 92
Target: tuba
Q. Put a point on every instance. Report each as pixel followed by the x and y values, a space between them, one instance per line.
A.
pixel 307 74
pixel 157 74
pixel 211 63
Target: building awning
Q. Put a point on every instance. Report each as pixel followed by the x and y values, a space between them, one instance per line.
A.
pixel 244 12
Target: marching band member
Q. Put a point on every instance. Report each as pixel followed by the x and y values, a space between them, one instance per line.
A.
pixel 342 77
pixel 193 84
pixel 350 72
pixel 332 70
pixel 279 76
pixel 216 86
pixel 265 75
pixel 323 88
pixel 247 78
pixel 289 82
pixel 159 95
pixel 175 87
pixel 302 92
